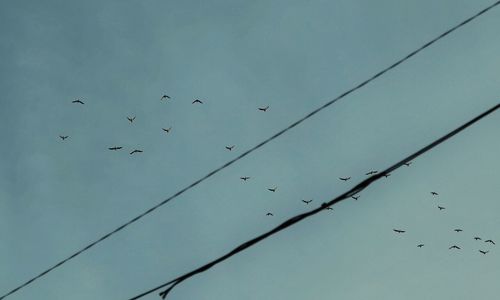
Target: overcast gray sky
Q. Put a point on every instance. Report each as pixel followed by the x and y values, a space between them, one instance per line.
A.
pixel 120 57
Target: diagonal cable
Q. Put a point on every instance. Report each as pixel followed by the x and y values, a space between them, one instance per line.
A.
pixel 353 191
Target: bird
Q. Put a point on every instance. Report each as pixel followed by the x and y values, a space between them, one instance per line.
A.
pixel 420 245
pixel 454 247
pixel 344 178
pixel 272 189
pixel 434 193
pixel 197 101
pixel 136 151
pixel 63 137
pixel 307 202
pixel 483 252
pixel 440 207
pixel 355 197
pixel 458 230
pixel 77 101
pixel 165 97
pixel 230 147
pixel 263 108
pixel 167 130
pixel 490 241
pixel 371 173
pixel 407 163
pixel 477 238
pixel 269 214
pixel 131 119
pixel 115 148
pixel 244 178
pixel 399 231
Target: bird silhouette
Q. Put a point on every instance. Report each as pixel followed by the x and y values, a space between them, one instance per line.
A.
pixel 307 202
pixel 131 119
pixel 115 148
pixel 77 101
pixel 399 231
pixel 136 151
pixel 344 178
pixel 63 137
pixel 490 241
pixel 434 193
pixel 483 252
pixel 454 247
pixel 167 130
pixel 269 214
pixel 371 173
pixel 477 238
pixel 272 189
pixel 263 108
pixel 420 245
pixel 165 97
pixel 458 230
pixel 355 197
pixel 407 163
pixel 230 147
pixel 440 207
pixel 244 178
pixel 197 101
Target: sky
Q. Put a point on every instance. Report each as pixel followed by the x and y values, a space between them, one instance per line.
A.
pixel 120 57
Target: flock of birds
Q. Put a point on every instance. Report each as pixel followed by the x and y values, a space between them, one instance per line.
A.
pixel 167 130
pixel 274 189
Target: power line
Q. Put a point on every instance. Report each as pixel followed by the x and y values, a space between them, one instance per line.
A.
pixel 355 190
pixel 227 164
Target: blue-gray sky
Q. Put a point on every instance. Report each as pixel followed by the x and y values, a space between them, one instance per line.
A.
pixel 121 56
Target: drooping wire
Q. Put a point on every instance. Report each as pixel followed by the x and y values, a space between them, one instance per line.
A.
pixel 353 191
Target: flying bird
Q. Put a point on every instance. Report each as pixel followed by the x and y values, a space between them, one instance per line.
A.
pixel 136 151
pixel 407 164
pixel 399 231
pixel 244 178
pixel 131 119
pixel 230 147
pixel 440 207
pixel 197 101
pixel 434 193
pixel 63 137
pixel 454 247
pixel 344 178
pixel 77 101
pixel 371 173
pixel 263 108
pixel 355 197
pixel 167 130
pixel 307 202
pixel 483 252
pixel 477 238
pixel 165 97
pixel 269 214
pixel 490 241
pixel 115 148
pixel 420 245
pixel 272 189
pixel 458 230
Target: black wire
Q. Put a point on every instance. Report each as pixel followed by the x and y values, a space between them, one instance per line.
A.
pixel 355 190
pixel 250 150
